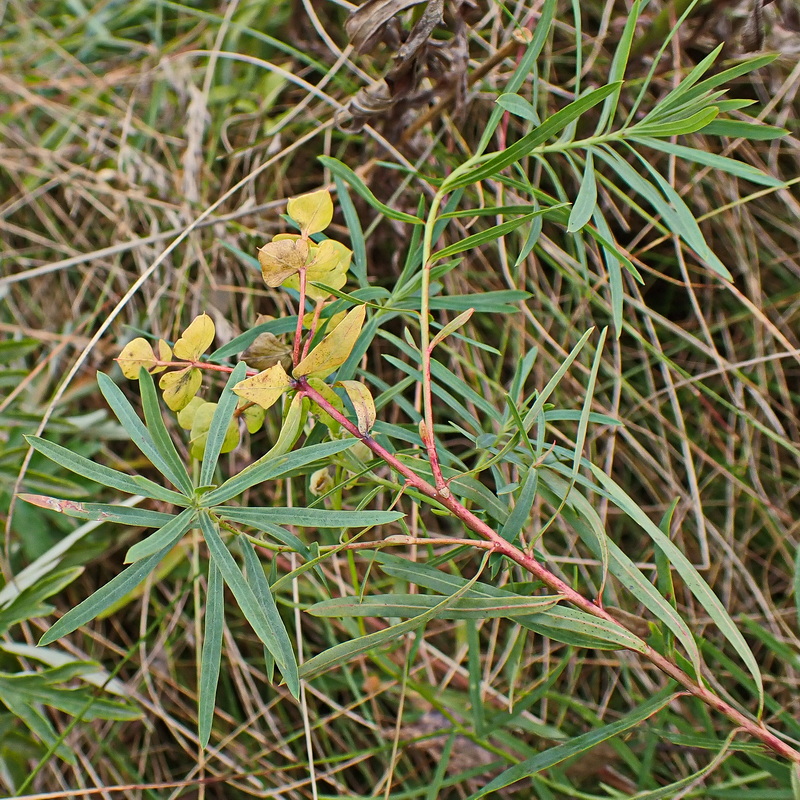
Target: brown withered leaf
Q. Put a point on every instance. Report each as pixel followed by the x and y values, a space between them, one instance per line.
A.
pixel 266 351
pixel 282 258
pixel 367 24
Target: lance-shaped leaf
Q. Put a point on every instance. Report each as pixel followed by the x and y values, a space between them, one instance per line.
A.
pixel 363 404
pixel 180 387
pixel 265 388
pixel 196 339
pixel 265 620
pixel 334 349
pixel 313 212
pixel 135 355
pixel 410 605
pixel 282 258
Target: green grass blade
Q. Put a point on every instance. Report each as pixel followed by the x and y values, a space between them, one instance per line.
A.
pixel 212 653
pixel 353 225
pixel 104 597
pixel 219 425
pixel 527 65
pixel 580 744
pixel 268 626
pixel 344 172
pixel 619 65
pixel 158 431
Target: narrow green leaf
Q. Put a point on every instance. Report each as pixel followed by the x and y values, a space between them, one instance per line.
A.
pixel 730 165
pixel 219 425
pixel 525 146
pixel 683 95
pixel 561 623
pixel 580 514
pixel 677 127
pixel 275 464
pixel 353 225
pixel 37 722
pixel 493 302
pixel 164 539
pixel 344 652
pixel 261 589
pixel 344 172
pixel 522 507
pixel 212 653
pixel 691 577
pixel 283 536
pixel 489 235
pixel 268 627
pixel 544 395
pixel 619 64
pixel 526 66
pixel 139 434
pixel 105 596
pixel 311 517
pixel 577 745
pixel 519 107
pixel 410 605
pixel 104 475
pixel 158 431
pixel 103 512
pixel 586 200
pixel 744 130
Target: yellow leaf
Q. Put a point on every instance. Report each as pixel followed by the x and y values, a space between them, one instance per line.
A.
pixel 282 258
pixel 187 413
pixel 253 417
pixel 363 404
pixel 164 354
pixel 313 212
pixel 200 426
pixel 329 264
pixel 196 339
pixel 135 355
pixel 334 349
pixel 333 321
pixel 265 388
pixel 180 387
pixel 327 392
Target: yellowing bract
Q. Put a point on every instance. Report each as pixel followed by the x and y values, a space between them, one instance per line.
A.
pixel 334 349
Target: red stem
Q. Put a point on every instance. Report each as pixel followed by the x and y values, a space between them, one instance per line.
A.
pixel 500 545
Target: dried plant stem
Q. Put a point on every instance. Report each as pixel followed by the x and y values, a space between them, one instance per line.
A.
pixel 539 571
